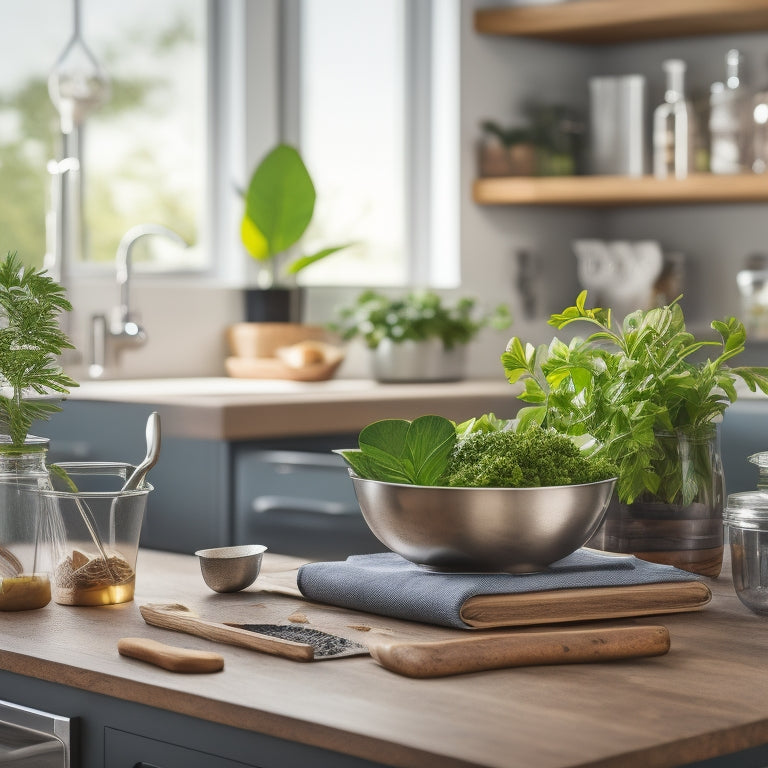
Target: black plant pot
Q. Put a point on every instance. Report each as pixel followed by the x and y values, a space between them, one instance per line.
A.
pixel 274 305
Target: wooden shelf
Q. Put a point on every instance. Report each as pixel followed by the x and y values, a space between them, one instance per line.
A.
pixel 605 191
pixel 611 21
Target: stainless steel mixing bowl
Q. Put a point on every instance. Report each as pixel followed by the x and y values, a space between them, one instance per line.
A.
pixel 514 530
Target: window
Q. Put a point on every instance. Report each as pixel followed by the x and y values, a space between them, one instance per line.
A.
pixel 200 90
pixel 352 114
pixel 375 111
pixel 142 152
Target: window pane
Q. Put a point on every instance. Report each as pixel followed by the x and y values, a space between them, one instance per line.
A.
pixel 142 152
pixel 352 105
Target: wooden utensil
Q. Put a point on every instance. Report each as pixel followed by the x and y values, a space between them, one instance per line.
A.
pixel 473 653
pixel 519 649
pixel 170 657
pixel 180 618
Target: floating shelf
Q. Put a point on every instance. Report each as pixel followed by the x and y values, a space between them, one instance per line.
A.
pixel 605 191
pixel 611 21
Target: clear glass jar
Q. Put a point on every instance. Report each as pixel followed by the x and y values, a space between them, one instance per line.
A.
pixel 746 519
pixel 681 525
pixel 30 530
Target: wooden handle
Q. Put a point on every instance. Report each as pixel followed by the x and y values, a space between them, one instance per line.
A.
pixel 169 656
pixel 181 619
pixel 474 654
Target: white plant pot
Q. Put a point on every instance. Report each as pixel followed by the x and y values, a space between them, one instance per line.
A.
pixel 417 361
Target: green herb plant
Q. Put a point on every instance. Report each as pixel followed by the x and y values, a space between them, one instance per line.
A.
pixel 30 340
pixel 279 206
pixel 626 386
pixel 416 316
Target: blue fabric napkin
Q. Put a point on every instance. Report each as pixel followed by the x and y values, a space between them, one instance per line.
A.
pixel 389 585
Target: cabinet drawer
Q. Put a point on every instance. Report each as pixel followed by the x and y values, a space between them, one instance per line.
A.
pixel 299 503
pixel 129 750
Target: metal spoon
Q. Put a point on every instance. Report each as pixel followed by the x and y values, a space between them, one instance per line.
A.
pixel 153 453
pixel 139 473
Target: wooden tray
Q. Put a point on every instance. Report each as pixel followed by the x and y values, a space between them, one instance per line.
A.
pixel 273 368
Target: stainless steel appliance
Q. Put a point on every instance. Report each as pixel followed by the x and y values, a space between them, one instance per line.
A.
pixel 30 738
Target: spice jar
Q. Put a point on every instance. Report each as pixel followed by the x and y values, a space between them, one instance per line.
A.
pixel 746 520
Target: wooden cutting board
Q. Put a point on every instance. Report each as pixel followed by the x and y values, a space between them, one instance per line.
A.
pixel 473 653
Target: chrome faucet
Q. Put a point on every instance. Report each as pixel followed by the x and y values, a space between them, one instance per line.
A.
pixel 123 330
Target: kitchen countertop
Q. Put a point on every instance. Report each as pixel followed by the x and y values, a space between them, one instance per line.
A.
pixel 244 409
pixel 706 697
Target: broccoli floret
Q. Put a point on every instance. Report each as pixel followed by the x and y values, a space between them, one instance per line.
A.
pixel 527 459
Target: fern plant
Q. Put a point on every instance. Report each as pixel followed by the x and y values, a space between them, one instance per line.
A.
pixel 30 341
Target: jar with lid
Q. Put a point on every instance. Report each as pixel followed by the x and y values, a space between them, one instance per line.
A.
pixel 30 530
pixel 746 520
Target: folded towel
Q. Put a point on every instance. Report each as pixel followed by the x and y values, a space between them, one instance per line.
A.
pixel 389 585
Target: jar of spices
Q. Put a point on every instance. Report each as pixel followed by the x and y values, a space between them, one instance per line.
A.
pixel 746 520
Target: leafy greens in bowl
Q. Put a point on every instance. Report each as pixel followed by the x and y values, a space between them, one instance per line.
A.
pixel 478 496
pixel 484 452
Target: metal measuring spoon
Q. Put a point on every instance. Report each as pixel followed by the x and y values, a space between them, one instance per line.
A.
pixel 153 453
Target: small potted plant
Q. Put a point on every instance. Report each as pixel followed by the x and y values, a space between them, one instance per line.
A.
pixel 418 336
pixel 279 206
pixel 30 340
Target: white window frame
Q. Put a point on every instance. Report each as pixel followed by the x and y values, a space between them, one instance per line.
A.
pixel 254 104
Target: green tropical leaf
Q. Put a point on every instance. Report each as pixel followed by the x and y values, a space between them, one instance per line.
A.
pixel 279 201
pixel 305 261
pixel 430 441
pixel 400 451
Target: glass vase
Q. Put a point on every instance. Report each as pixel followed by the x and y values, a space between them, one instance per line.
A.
pixel 681 524
pixel 30 530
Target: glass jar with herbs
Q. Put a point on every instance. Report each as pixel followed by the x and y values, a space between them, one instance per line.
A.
pixel 648 393
pixel 30 340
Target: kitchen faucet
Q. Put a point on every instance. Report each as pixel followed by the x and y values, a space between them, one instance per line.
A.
pixel 123 330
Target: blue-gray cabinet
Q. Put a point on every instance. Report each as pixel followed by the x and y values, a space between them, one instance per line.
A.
pixel 291 494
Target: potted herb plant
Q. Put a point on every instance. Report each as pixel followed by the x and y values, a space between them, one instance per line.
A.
pixel 417 336
pixel 647 391
pixel 279 206
pixel 30 341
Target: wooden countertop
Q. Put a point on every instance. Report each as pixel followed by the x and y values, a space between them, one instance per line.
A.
pixel 244 409
pixel 706 697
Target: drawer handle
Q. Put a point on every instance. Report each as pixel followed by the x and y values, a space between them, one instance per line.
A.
pixel 263 505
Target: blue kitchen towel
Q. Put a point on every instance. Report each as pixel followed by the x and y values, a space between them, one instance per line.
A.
pixel 389 585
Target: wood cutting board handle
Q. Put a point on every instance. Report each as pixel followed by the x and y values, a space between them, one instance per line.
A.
pixel 474 654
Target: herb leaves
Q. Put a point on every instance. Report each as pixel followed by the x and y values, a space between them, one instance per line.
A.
pixel 625 386
pixel 30 338
pixel 399 451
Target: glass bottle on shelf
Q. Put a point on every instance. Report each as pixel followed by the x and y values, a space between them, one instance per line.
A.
pixel 673 126
pixel 759 130
pixel 728 120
